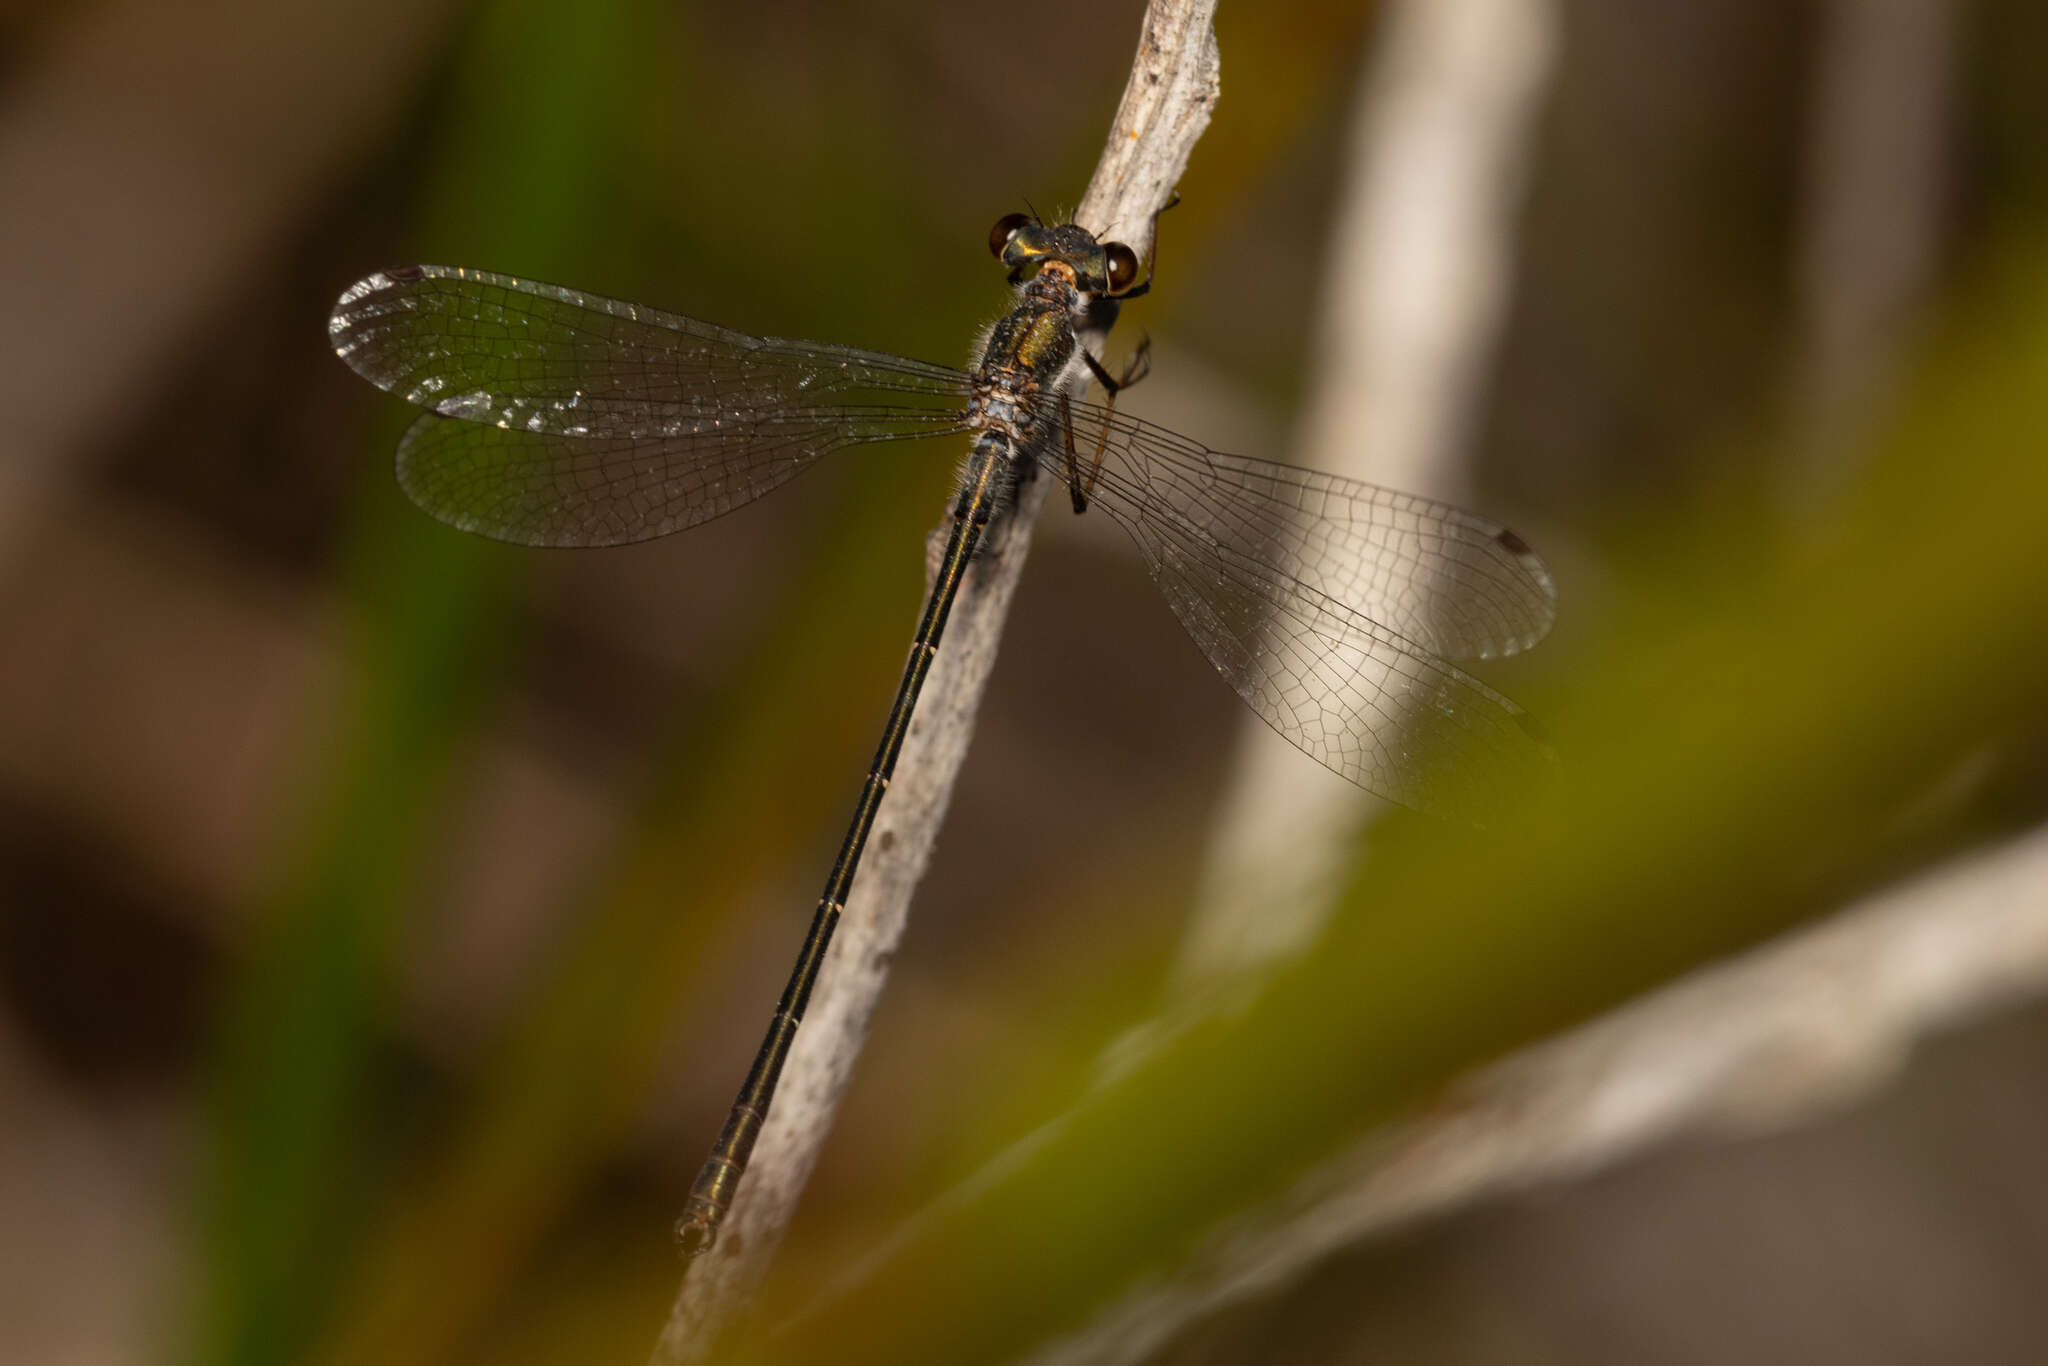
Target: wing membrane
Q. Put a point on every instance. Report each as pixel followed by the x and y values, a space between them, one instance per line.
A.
pixel 537 488
pixel 564 418
pixel 1360 700
pixel 1451 582
pixel 1327 603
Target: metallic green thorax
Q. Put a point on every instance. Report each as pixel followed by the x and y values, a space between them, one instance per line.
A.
pixel 1027 361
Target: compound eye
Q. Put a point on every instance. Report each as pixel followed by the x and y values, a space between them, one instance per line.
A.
pixel 1006 227
pixel 1123 266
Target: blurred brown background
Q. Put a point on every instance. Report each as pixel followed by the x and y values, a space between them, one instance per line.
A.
pixel 344 858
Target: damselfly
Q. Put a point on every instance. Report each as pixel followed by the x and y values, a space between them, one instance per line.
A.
pixel 558 418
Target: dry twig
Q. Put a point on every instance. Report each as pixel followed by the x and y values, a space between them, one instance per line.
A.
pixel 1165 107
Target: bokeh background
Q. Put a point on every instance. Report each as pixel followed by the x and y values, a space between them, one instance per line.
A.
pixel 386 916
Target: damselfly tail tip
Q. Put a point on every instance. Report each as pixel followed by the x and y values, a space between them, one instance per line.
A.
pixel 695 1235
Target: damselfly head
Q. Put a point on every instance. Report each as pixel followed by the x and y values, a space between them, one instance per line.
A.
pixel 1023 244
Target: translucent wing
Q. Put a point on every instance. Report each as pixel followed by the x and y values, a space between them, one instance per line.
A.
pixel 1450 582
pixel 563 418
pixel 1283 576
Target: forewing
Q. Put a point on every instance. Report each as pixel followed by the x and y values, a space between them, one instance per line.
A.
pixel 563 418
pixel 1454 584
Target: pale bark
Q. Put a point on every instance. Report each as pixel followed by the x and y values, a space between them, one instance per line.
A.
pixel 1165 107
